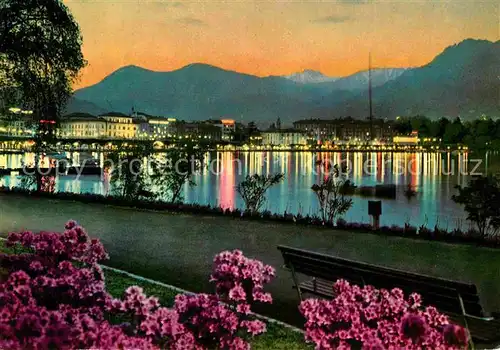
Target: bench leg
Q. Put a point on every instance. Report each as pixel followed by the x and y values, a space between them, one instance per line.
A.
pixel 363 281
pixel 464 315
pixel 296 281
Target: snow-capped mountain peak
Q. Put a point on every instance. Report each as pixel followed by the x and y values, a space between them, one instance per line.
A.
pixel 309 76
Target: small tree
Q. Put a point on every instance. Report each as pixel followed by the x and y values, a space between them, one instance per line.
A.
pixel 332 195
pixel 170 174
pixel 253 189
pixel 128 173
pixel 481 201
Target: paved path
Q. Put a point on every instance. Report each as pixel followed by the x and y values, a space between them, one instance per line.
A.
pixel 178 249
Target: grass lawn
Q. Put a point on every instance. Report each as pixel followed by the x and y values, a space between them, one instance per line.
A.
pixel 276 337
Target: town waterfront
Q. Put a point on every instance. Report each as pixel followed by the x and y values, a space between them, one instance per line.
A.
pixel 432 175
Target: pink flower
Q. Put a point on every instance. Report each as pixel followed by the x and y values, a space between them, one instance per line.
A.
pixel 237 293
pixel 254 327
pixel 36 266
pixel 70 224
pixel 243 308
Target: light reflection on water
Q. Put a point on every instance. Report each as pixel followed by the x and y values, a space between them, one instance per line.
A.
pixel 432 175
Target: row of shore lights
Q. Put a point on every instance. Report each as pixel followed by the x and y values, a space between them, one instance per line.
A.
pixel 359 147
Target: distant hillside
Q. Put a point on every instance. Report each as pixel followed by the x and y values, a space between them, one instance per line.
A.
pixel 76 105
pixel 359 81
pixel 200 91
pixel 462 80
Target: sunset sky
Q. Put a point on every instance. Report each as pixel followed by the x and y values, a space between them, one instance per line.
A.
pixel 275 37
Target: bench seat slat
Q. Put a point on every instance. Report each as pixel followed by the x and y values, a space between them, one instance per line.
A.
pixel 448 301
pixel 298 260
pixel 463 287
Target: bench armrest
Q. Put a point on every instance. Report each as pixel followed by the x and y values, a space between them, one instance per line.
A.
pixel 480 318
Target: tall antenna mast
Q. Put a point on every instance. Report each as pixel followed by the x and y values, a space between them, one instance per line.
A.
pixel 370 92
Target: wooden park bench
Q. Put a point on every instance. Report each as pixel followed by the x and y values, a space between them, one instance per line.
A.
pixel 460 301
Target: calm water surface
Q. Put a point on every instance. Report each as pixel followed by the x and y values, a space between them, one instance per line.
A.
pixel 433 175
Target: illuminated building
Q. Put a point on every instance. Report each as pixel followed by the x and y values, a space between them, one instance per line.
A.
pixel 119 125
pixel 227 128
pixel 16 123
pixel 155 128
pixel 205 131
pixel 411 140
pixel 345 129
pixel 108 126
pixel 285 137
pixel 82 125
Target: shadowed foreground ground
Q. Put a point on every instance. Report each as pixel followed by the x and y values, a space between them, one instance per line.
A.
pixel 178 249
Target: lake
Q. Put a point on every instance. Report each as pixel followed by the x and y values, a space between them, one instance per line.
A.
pixel 432 175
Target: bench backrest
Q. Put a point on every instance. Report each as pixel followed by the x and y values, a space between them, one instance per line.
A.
pixel 441 293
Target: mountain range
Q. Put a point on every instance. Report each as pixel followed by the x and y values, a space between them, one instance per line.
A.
pixel 462 81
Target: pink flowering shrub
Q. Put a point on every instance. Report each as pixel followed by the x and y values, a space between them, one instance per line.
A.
pixel 240 280
pixel 53 296
pixel 204 321
pixel 239 284
pixel 368 318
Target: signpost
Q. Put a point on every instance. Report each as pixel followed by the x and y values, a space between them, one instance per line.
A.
pixel 375 210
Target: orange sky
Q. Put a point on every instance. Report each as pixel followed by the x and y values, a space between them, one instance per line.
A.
pixel 275 37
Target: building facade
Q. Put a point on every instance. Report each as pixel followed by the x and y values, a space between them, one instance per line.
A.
pixel 346 130
pixel 284 137
pixel 17 122
pixel 227 128
pixel 407 140
pixel 155 128
pixel 81 125
pixel 205 131
pixel 144 127
pixel 120 126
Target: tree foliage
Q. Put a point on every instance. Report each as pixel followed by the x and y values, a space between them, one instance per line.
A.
pixel 40 54
pixel 481 201
pixel 253 189
pixel 332 194
pixel 479 134
pixel 40 58
pixel 177 168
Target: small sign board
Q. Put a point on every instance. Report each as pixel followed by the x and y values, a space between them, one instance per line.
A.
pixel 375 208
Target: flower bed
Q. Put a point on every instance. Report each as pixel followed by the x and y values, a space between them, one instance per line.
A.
pixel 276 337
pixel 408 231
pixel 374 319
pixel 53 295
pixel 53 285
